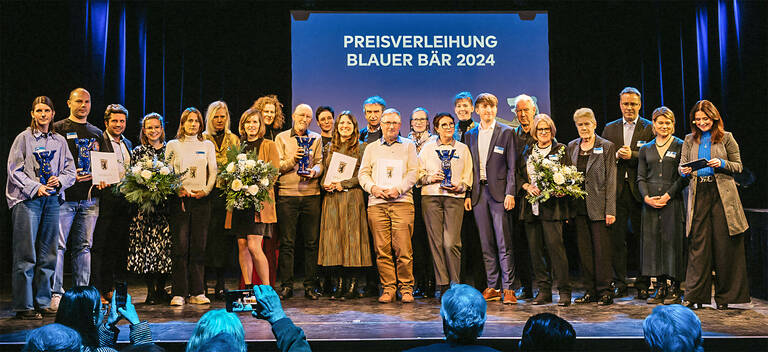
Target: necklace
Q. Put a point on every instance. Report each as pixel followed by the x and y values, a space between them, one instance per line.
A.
pixel 669 138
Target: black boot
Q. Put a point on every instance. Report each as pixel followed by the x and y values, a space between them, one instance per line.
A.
pixel 336 288
pixel 674 296
pixel 151 294
pixel 429 290
pixel 659 293
pixel 351 289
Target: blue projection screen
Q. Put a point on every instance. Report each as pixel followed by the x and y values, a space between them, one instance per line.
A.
pixel 418 60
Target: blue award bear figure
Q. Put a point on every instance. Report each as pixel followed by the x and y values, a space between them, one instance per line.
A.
pixel 445 161
pixel 44 158
pixel 305 143
pixel 84 147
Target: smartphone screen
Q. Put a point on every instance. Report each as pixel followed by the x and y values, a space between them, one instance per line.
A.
pixel 121 292
pixel 240 300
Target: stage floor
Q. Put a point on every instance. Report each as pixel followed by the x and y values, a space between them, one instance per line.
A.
pixel 366 320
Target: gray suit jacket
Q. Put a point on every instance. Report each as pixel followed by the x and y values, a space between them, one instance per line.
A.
pixel 728 151
pixel 599 179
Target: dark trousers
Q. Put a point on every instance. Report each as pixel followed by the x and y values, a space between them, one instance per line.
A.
pixel 109 252
pixel 189 228
pixel 303 212
pixel 496 241
pixel 711 247
pixel 220 245
pixel 593 242
pixel 472 269
pixel 422 256
pixel 548 234
pixel 523 264
pixel 626 237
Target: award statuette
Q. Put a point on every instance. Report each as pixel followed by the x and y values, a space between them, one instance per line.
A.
pixel 305 143
pixel 445 161
pixel 44 158
pixel 84 147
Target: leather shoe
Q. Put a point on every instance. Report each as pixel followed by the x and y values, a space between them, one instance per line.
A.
pixel 643 294
pixel 491 294
pixel 565 300
pixel 542 298
pixel 387 297
pixel 311 293
pixel 605 300
pixel 691 305
pixel 28 315
pixel 509 297
pixel 285 292
pixel 407 297
pixel 723 306
pixel 587 298
pixel 620 292
pixel 47 312
pixel 525 292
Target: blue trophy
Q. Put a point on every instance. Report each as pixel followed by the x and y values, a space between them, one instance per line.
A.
pixel 84 147
pixel 445 161
pixel 306 143
pixel 44 158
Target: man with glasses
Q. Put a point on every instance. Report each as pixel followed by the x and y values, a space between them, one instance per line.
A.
pixel 298 203
pixel 628 133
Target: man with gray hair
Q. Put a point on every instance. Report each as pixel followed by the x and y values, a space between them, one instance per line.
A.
pixel 298 202
pixel 388 171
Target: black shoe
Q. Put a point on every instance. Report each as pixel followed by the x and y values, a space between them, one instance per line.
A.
pixel 337 288
pixel 542 298
pixel 162 296
pixel 673 295
pixel 620 292
pixel 429 291
pixel 691 305
pixel 285 292
pixel 658 296
pixel 47 312
pixel 643 293
pixel 418 291
pixel 28 315
pixel 526 292
pixel 151 300
pixel 371 290
pixel 723 306
pixel 587 298
pixel 351 290
pixel 565 300
pixel 311 293
pixel 605 300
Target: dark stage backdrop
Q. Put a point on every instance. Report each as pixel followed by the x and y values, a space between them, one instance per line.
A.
pixel 166 56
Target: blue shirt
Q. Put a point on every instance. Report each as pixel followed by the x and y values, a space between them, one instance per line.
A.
pixel 23 168
pixel 705 149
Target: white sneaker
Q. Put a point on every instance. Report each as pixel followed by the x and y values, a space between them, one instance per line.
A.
pixel 55 300
pixel 177 301
pixel 199 299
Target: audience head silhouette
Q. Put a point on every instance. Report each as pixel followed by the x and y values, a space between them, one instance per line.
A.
pixel 53 337
pixel 673 328
pixel 463 312
pixel 547 332
pixel 81 309
pixel 214 323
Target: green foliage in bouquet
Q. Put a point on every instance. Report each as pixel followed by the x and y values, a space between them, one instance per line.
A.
pixel 246 180
pixel 555 179
pixel 148 183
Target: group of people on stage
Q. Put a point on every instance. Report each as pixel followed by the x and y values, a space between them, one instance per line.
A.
pixel 399 210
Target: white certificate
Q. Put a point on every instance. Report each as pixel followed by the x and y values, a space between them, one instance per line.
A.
pixel 389 173
pixel 341 168
pixel 197 172
pixel 104 167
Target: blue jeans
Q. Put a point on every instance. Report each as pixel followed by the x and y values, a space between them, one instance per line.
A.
pixel 35 228
pixel 76 223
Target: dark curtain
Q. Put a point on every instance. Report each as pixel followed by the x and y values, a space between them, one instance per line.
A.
pixel 164 56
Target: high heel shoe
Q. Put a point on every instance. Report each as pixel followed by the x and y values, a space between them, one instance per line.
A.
pixel 351 290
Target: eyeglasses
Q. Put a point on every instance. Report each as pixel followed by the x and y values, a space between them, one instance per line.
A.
pixel 421 119
pixel 390 123
pixel 544 130
pixel 447 125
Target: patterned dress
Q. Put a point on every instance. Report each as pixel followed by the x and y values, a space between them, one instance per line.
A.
pixel 149 249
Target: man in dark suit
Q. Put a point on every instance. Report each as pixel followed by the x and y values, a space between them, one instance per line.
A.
pixel 492 146
pixel 373 107
pixel 628 133
pixel 110 237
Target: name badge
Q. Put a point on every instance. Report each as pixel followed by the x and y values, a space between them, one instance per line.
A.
pixel 597 150
pixel 553 157
pixel 200 152
pixel 71 135
pixel 640 143
pixel 499 150
pixel 40 149
pixel 671 154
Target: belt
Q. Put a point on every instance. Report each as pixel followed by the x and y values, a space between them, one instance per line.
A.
pixel 705 178
pixel 484 182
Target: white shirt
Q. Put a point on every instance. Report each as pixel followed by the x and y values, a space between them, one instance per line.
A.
pixel 121 151
pixel 629 130
pixel 430 164
pixel 484 145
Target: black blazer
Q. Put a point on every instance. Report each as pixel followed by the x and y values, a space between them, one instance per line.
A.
pixel 654 178
pixel 106 145
pixel 614 132
pixel 554 208
pixel 500 165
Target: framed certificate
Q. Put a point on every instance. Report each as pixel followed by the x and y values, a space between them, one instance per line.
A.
pixel 104 167
pixel 341 167
pixel 389 173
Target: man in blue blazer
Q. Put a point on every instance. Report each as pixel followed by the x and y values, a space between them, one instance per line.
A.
pixel 492 146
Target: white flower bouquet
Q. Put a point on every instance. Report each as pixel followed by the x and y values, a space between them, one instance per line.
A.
pixel 148 183
pixel 555 179
pixel 246 181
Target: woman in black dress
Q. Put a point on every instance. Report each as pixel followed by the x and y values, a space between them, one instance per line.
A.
pixel 663 225
pixel 149 236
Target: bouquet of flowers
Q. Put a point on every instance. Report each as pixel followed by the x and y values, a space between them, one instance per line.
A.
pixel 246 180
pixel 148 183
pixel 555 179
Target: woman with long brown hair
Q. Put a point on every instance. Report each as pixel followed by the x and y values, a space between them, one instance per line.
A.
pixel 716 220
pixel 343 245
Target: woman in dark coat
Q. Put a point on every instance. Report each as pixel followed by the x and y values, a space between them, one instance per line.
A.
pixel 544 221
pixel 663 225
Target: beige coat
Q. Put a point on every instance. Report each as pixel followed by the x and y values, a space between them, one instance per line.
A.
pixel 727 150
